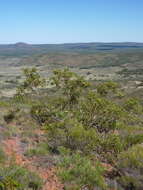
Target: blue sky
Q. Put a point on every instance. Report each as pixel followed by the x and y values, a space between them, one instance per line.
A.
pixel 63 21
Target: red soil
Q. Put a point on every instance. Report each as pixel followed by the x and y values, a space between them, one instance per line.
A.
pixel 14 150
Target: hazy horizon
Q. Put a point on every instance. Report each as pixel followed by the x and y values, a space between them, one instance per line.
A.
pixel 108 42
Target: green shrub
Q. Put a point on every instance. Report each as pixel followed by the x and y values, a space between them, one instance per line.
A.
pixel 33 81
pixel 130 182
pixel 99 113
pixel 11 115
pixel 104 88
pixel 77 172
pixel 132 139
pixel 41 150
pixel 70 84
pixel 2 156
pixel 130 165
pixel 110 146
pixel 71 134
pixel 133 105
pixel 132 158
pixel 16 177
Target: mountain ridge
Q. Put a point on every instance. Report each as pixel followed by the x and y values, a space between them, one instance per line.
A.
pixel 25 49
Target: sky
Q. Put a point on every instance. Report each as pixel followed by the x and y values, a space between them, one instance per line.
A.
pixel 70 21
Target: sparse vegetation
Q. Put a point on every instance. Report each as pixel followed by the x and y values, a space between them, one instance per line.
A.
pixel 18 178
pixel 89 132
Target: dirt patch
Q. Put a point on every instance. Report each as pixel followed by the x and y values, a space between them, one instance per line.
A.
pixel 14 150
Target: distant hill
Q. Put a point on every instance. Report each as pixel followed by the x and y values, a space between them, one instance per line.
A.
pixel 24 49
pixel 22 45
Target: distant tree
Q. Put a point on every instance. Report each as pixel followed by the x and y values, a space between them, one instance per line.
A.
pixel 106 87
pixel 32 82
pixel 133 105
pixel 70 84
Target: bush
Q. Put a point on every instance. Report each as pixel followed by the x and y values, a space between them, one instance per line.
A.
pixel 132 158
pixel 97 112
pixel 110 146
pixel 33 81
pixel 2 156
pixel 107 87
pixel 71 134
pixel 132 139
pixel 130 164
pixel 133 105
pixel 70 83
pixel 41 150
pixel 77 172
pixel 20 178
pixel 11 115
pixel 41 113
